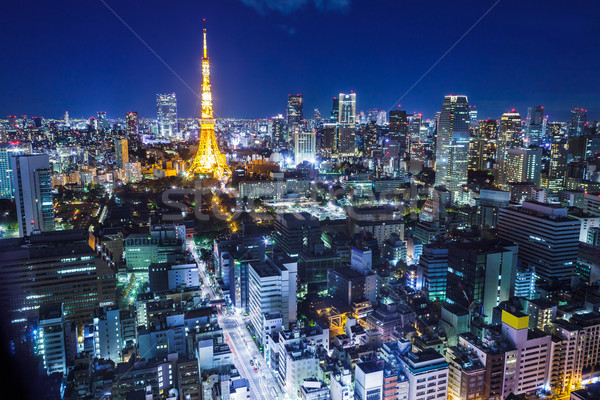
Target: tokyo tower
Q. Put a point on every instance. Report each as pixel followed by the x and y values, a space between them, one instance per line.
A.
pixel 208 159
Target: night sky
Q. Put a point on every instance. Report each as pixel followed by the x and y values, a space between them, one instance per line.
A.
pixel 76 55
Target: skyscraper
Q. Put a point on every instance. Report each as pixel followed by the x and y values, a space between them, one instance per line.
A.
pixel 347 123
pixel 33 193
pixel 132 119
pixel 534 132
pixel 523 165
pixel 121 152
pixel 452 141
pixel 508 137
pixel 548 239
pixel 305 147
pixel 577 122
pixel 347 108
pixel 166 115
pixel 295 114
pixel 7 152
pixel 557 169
pixel 398 130
pixel 278 129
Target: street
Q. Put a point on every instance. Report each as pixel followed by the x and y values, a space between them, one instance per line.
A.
pixel 263 381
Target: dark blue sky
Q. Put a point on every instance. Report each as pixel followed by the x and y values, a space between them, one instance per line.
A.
pixel 75 55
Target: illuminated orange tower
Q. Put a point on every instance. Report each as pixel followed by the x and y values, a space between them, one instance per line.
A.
pixel 208 159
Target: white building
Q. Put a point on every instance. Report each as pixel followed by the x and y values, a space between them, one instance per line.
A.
pixel 427 373
pixel 51 343
pixel 271 288
pixel 368 381
pixel 341 387
pixel 32 180
pixel 305 147
pixel 530 370
pixel 108 338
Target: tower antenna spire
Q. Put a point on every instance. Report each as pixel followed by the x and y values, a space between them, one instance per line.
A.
pixel 204 23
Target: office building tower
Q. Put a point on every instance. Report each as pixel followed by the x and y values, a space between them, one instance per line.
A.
pixel 347 108
pixel 577 122
pixel 481 274
pixel 66 119
pixel 523 165
pixel 295 114
pixel 557 168
pixel 451 143
pixel 488 206
pixel 101 120
pixel 121 152
pixel 335 110
pixel 509 136
pixel 108 336
pixel 51 338
pixel 433 266
pixel 347 124
pixel 278 132
pixel 271 289
pixel 548 239
pixel 132 120
pixel 368 381
pixel 329 140
pixel 8 151
pixel 49 268
pixel 414 128
pixel 166 115
pixel 305 147
pixel 398 130
pixel 534 129
pixel 32 179
pixel 482 151
pixel 525 280
pixel 297 232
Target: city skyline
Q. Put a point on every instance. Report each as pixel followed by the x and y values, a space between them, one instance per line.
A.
pixel 283 52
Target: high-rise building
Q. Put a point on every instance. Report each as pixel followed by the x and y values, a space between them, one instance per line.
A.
pixel 557 169
pixel 335 110
pixel 121 152
pixel 534 130
pixel 523 165
pixel 347 124
pixel 53 267
pixel 347 108
pixel 132 119
pixel 101 120
pixel 452 143
pixel 433 266
pixel 396 141
pixel 166 115
pixel 509 136
pixel 548 239
pixel 577 122
pixel 305 147
pixel 51 338
pixel 32 179
pixel 271 289
pixel 295 114
pixel 278 132
pixel 297 232
pixel 7 152
pixel 481 274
